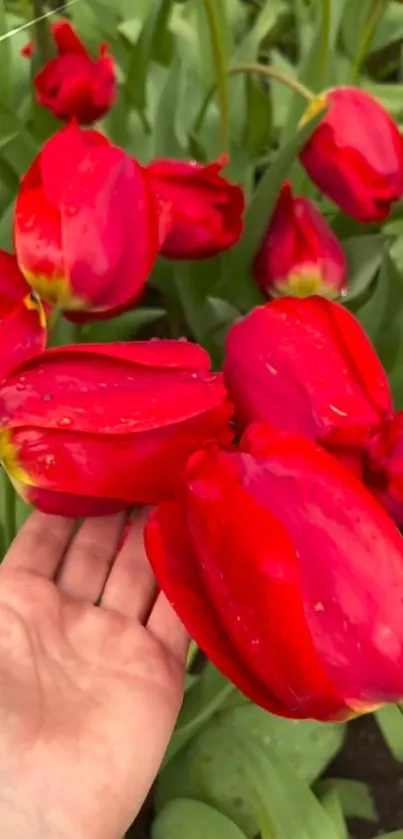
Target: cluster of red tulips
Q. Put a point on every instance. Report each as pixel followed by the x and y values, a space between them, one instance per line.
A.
pixel 277 483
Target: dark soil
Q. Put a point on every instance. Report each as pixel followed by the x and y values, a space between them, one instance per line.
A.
pixel 365 757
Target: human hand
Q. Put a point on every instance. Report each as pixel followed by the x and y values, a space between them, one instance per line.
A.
pixel 89 694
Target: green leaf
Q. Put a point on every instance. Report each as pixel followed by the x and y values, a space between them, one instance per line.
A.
pixel 275 785
pixel 165 140
pixel 395 834
pixel 390 721
pixel 200 703
pixel 331 804
pixel 194 281
pixel 355 797
pixel 147 48
pixel 5 57
pixel 257 127
pixel 382 314
pixel 237 285
pixel 186 819
pixel 364 257
pixel 122 328
pixel 212 768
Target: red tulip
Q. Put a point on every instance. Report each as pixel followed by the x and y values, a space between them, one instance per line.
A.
pixel 355 155
pixel 384 466
pixel 93 429
pixel 22 318
pixel 288 574
pixel 74 85
pixel 307 366
pixel 206 209
pixel 86 225
pixel 299 254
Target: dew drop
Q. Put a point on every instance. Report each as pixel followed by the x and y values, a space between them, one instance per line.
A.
pixel 64 421
pixel 47 397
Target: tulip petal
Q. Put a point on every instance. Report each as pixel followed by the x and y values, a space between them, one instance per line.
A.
pixel 170 554
pixel 350 558
pixel 13 286
pixel 249 568
pixel 38 241
pixel 307 366
pixel 67 40
pixel 135 468
pixel 22 335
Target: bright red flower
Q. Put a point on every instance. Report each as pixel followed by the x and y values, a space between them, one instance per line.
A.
pixel 288 574
pixel 206 209
pixel 299 253
pixel 93 429
pixel 355 155
pixel 74 85
pixel 383 471
pixel 22 318
pixel 86 225
pixel 307 366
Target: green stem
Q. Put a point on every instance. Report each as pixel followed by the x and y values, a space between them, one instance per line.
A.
pixel 220 63
pixel 9 518
pixel 43 38
pixel 253 67
pixel 367 37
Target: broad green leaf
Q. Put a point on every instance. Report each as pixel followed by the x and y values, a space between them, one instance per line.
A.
pixel 364 258
pixel 5 58
pixel 354 21
pixel 257 129
pixel 285 806
pixel 264 25
pixel 6 227
pixel 382 314
pixel 201 702
pixel 194 282
pixel 331 804
pixel 395 834
pixel 165 140
pixel 390 721
pixel 22 511
pixel 355 797
pixel 212 768
pixel 151 43
pixel 237 285
pixel 122 328
pixel 314 69
pixel 187 819
pixel 389 28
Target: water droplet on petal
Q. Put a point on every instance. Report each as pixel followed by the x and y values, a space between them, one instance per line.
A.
pixel 47 397
pixel 64 421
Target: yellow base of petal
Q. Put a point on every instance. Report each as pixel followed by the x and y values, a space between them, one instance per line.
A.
pixel 55 290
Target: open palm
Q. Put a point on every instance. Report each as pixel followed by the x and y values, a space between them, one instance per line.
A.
pixel 89 693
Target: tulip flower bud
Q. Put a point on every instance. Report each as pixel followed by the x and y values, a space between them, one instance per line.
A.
pixel 307 366
pixel 299 254
pixel 384 466
pixel 87 231
pixel 74 85
pixel 93 429
pixel 355 155
pixel 206 210
pixel 288 574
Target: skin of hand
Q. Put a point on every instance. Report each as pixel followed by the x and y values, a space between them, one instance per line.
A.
pixel 89 694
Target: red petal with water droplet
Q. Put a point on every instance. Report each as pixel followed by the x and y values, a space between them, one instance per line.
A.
pixel 307 366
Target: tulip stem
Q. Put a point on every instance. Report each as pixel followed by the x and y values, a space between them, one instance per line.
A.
pixel 9 501
pixel 218 51
pixel 43 38
pixel 254 67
